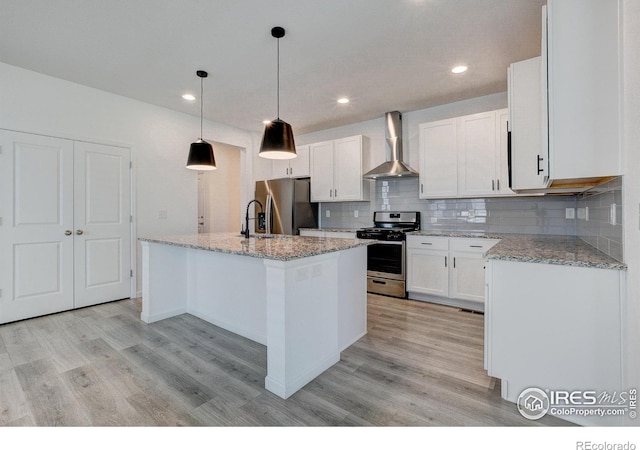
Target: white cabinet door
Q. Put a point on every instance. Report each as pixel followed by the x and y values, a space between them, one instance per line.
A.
pixel 36 240
pixel 102 223
pixel 280 168
pixel 529 152
pixel 428 272
pixel 438 159
pixel 477 155
pixel 467 276
pixel 299 166
pixel 348 169
pixel 322 162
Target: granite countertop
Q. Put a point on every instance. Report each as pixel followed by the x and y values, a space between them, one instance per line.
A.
pixel 335 230
pixel 454 234
pixel 278 247
pixel 549 249
pixel 544 249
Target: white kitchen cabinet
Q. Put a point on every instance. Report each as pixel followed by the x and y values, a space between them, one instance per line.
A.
pixel 465 156
pixel 439 159
pixel 583 66
pixel 312 233
pixel 297 167
pixel 447 270
pixel 336 171
pixel 554 327
pixel 529 150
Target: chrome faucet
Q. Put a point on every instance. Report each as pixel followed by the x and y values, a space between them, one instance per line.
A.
pixel 245 230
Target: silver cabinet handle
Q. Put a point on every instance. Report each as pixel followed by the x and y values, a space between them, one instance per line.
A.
pixel 445 261
pixel 498 182
pixel 493 185
pixel 79 232
pixel 426 243
pixel 291 171
pixel 68 233
pixel 330 192
pixel 421 188
pixel 335 193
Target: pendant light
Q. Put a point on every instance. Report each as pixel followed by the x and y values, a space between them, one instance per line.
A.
pixel 201 152
pixel 277 142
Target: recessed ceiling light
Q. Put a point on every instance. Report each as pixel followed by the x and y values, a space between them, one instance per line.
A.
pixel 189 97
pixel 459 69
pixel 343 100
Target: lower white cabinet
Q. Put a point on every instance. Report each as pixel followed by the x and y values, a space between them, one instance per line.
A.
pixel 555 328
pixel 447 270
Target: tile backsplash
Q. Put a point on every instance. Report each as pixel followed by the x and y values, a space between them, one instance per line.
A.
pixel 523 215
pixel 599 217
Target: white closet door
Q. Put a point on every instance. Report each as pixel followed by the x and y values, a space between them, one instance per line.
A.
pixel 36 209
pixel 102 223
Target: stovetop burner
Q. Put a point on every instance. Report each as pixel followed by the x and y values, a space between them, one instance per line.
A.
pixel 391 225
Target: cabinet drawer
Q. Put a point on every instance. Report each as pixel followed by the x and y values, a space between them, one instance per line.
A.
pixel 428 242
pixel 340 234
pixel 472 245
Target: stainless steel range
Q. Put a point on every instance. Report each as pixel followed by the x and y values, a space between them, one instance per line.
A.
pixel 386 258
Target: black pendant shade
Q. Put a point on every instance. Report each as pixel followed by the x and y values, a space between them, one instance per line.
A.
pixel 201 156
pixel 201 152
pixel 277 141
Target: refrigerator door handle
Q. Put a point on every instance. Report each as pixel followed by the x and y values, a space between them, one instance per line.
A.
pixel 268 209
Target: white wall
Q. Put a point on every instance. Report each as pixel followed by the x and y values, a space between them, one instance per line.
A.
pixel 159 139
pixel 631 189
pixel 374 129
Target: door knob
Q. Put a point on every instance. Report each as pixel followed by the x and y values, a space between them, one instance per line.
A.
pixel 68 233
pixel 79 232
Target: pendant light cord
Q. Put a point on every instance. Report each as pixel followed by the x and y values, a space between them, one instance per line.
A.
pixel 278 77
pixel 201 101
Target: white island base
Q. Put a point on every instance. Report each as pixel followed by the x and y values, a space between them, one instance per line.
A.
pixel 305 310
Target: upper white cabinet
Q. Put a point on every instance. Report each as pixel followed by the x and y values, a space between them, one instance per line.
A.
pixel 565 106
pixel 297 167
pixel 336 171
pixel 439 159
pixel 465 156
pixel 583 65
pixel 529 152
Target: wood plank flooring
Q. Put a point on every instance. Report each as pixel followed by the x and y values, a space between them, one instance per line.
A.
pixel 419 365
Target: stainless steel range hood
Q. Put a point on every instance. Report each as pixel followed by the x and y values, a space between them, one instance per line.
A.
pixel 394 166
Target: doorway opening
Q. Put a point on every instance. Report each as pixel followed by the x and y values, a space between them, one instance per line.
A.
pixel 219 192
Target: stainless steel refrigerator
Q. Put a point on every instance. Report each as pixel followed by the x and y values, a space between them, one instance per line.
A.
pixel 287 206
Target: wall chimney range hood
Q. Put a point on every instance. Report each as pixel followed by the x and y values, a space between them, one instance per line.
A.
pixel 394 166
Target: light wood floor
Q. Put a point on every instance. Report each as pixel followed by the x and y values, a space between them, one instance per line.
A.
pixel 419 365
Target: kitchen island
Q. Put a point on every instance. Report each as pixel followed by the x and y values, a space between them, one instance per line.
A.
pixel 303 297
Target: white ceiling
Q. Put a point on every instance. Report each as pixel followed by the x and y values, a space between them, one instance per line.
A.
pixel 384 54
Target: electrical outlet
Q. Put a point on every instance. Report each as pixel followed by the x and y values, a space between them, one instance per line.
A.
pixel 162 214
pixel 327 213
pixel 355 213
pixel 612 214
pixel 569 213
pixel 583 213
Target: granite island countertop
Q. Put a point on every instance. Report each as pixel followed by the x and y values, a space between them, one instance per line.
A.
pixel 277 247
pixel 537 248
